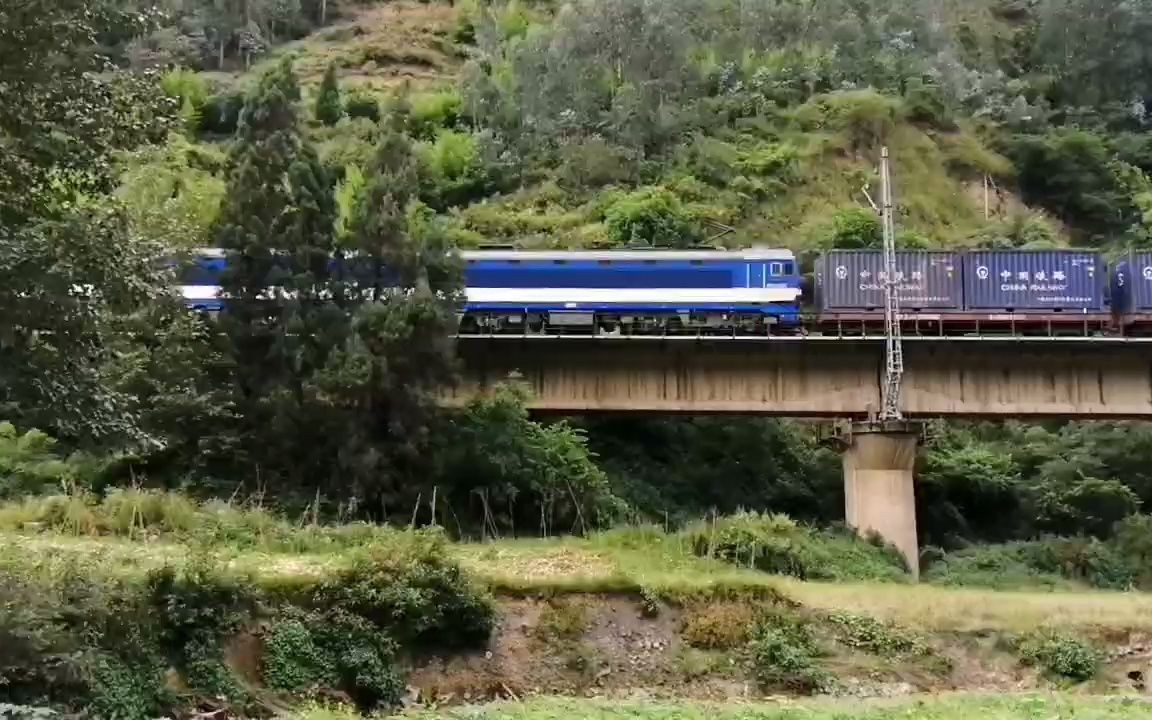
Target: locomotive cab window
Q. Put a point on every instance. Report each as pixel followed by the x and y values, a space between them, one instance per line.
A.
pixel 777 269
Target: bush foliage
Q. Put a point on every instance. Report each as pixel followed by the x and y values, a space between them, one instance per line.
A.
pixel 777 544
pixel 76 638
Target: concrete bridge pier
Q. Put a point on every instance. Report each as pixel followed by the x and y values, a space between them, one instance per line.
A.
pixel 879 459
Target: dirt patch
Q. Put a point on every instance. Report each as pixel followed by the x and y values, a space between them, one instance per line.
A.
pixel 620 652
pixel 607 646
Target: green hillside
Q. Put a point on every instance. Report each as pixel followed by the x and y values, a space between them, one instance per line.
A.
pixel 537 123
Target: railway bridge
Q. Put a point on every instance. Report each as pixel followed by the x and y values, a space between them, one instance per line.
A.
pixel 829 377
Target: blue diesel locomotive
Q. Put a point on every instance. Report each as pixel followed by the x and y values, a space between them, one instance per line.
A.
pixel 631 291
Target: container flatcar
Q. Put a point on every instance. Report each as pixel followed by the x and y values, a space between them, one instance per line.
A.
pixel 851 287
pixel 1131 290
pixel 1059 281
pixel 856 280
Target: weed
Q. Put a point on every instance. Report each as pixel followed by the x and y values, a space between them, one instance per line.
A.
pixel 649 603
pixel 871 635
pixel 718 626
pixel 562 620
pixel 694 664
pixel 782 656
pixel 1060 655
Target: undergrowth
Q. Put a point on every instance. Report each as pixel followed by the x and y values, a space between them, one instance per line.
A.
pixel 777 544
pixel 80 637
pixel 1055 563
pixel 782 655
pixel 1060 655
pixel 157 514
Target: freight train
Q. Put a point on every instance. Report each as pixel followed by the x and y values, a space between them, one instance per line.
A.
pixel 762 291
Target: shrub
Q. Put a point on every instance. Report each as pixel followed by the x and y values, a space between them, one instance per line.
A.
pixel 856 228
pixel 1071 172
pixel 124 691
pixel 431 112
pixel 776 544
pixel 777 160
pixel 865 117
pixel 871 635
pixel 782 655
pixel 594 163
pixel 1001 567
pixel 718 626
pixel 452 172
pixel 1021 230
pixel 541 472
pixel 414 592
pixel 925 105
pixel 1052 562
pixel 1133 542
pixel 198 603
pixel 362 105
pixel 39 656
pixel 561 621
pixel 650 216
pixel 1060 655
pixel 220 114
pixel 29 463
pixel 329 109
pixel 185 85
pixel 336 650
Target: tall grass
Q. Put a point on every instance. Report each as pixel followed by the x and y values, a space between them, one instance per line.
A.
pixel 141 514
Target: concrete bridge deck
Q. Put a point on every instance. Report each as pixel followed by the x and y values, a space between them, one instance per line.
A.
pixel 818 376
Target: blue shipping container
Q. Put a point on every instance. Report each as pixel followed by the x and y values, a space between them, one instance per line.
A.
pixel 854 280
pixel 1013 280
pixel 1132 283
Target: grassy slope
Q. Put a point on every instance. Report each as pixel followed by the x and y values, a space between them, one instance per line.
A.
pixel 602 564
pixel 376 47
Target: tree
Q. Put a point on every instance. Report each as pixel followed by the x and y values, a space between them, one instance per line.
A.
pixel 501 471
pixel 650 216
pixel 68 264
pixel 277 224
pixel 329 109
pixel 1072 173
pixel 855 229
pixel 399 353
pixel 172 192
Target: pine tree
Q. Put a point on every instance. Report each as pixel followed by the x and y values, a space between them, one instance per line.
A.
pixel 400 352
pixel 329 108
pixel 277 224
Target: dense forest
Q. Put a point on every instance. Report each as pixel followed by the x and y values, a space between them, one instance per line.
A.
pixel 131 131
